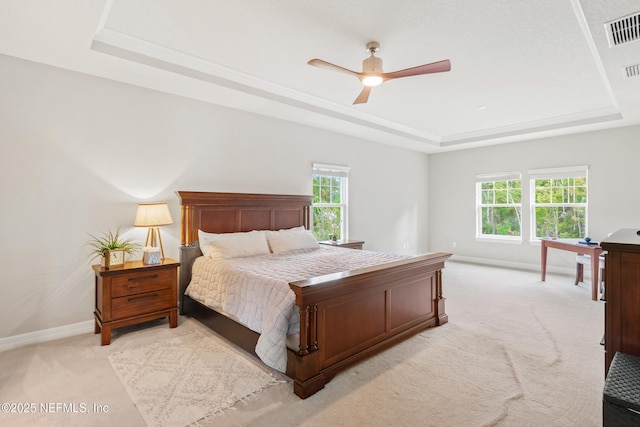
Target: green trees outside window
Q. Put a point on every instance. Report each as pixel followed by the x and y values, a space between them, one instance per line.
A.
pixel 560 207
pixel 329 206
pixel 500 207
pixel 557 204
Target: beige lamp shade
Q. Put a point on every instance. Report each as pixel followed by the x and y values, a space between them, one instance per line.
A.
pixel 153 215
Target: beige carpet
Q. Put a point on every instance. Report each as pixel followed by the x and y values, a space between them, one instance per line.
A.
pixel 516 352
pixel 188 378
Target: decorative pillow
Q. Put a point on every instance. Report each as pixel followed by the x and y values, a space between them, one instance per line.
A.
pixel 233 245
pixel 291 239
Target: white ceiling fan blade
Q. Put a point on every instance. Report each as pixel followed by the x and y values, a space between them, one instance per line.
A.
pixel 364 95
pixel 434 67
pixel 329 66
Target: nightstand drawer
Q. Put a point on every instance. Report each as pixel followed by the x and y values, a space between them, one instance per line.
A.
pixel 134 305
pixel 138 283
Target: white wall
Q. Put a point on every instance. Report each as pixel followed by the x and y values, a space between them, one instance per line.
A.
pixel 614 196
pixel 79 153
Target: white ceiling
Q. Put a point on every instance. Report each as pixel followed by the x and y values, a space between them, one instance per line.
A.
pixel 521 69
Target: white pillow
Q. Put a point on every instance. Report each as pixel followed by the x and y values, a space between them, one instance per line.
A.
pixel 291 239
pixel 233 245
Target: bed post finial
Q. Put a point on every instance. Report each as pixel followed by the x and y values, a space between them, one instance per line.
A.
pixel 186 237
pixel 307 217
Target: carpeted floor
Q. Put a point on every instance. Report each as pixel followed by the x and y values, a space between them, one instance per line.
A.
pixel 516 352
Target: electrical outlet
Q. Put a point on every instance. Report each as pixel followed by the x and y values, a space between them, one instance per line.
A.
pixel 454 244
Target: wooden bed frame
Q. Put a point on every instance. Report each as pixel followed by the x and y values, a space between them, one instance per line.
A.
pixel 344 317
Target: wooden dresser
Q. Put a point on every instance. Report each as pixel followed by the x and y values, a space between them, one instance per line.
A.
pixel 622 294
pixel 135 293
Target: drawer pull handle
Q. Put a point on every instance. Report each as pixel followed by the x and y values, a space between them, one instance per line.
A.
pixel 143 298
pixel 139 279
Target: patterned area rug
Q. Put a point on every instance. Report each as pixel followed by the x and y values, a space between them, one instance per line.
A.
pixel 186 379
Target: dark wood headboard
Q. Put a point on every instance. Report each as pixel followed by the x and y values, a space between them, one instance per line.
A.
pixel 233 212
pixel 236 212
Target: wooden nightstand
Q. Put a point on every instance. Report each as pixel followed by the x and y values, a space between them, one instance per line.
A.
pixel 351 244
pixel 135 293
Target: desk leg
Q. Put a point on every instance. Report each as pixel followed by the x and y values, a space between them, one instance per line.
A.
pixel 543 259
pixel 595 273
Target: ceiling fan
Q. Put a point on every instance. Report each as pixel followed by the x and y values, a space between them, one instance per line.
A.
pixel 372 74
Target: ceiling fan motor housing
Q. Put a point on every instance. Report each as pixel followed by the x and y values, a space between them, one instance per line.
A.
pixel 372 65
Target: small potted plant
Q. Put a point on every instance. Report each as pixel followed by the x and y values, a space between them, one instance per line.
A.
pixel 111 248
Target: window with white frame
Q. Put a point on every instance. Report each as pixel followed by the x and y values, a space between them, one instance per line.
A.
pixel 499 205
pixel 330 199
pixel 559 202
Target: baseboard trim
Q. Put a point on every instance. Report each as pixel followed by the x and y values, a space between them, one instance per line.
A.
pixel 45 335
pixel 517 265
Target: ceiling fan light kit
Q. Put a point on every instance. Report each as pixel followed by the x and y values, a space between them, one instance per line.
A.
pixel 371 80
pixel 372 73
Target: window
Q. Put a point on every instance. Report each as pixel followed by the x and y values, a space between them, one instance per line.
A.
pixel 329 201
pixel 559 202
pixel 499 205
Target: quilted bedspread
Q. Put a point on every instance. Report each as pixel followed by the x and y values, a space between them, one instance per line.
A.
pixel 256 289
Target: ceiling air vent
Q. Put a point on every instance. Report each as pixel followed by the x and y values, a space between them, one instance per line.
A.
pixel 632 70
pixel 624 30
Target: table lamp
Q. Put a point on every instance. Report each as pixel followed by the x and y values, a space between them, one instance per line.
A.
pixel 153 215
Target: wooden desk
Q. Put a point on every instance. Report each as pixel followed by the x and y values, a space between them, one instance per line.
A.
pixel 593 251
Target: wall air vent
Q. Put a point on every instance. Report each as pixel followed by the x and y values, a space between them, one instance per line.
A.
pixel 623 30
pixel 632 70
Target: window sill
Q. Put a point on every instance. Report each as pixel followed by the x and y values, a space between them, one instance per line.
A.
pixel 505 240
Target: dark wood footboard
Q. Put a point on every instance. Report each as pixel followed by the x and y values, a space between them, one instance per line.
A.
pixel 348 316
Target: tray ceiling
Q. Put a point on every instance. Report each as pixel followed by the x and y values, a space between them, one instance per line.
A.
pixel 520 69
